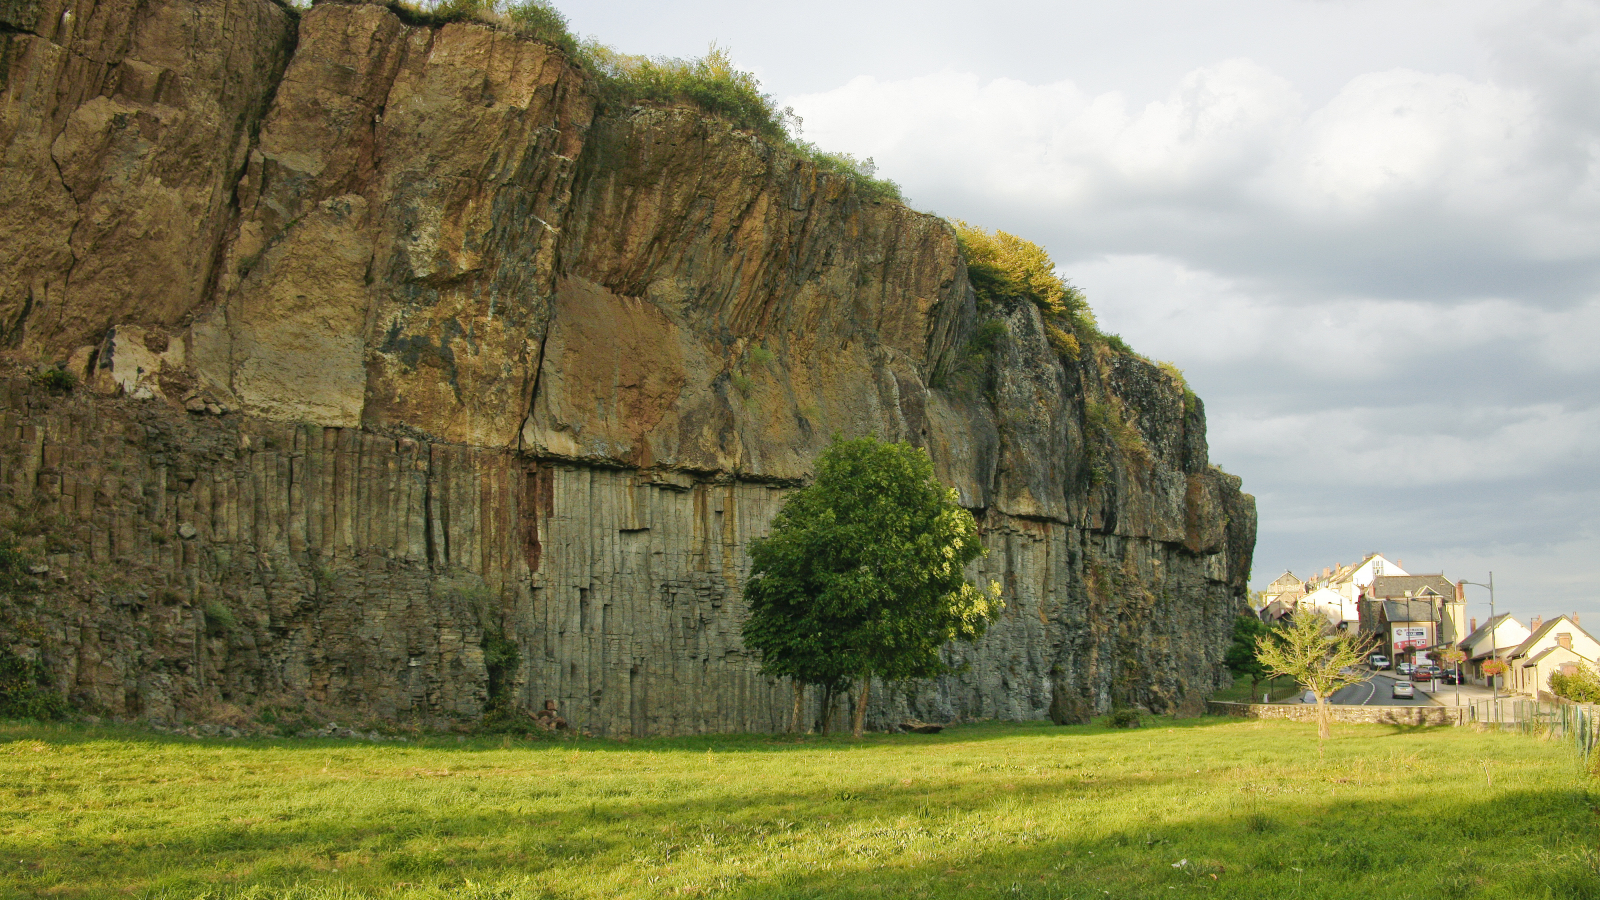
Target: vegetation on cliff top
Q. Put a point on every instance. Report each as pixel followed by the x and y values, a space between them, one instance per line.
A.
pixel 711 82
pixel 1003 266
pixel 1000 265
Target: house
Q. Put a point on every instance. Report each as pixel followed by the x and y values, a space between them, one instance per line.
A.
pixel 1401 627
pixel 1551 646
pixel 1496 639
pixel 1286 583
pixel 1448 599
pixel 1353 579
pixel 1341 611
pixel 1278 610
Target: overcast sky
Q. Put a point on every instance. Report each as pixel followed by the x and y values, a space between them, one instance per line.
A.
pixel 1369 232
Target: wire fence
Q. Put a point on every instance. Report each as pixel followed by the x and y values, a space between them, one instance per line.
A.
pixel 1577 723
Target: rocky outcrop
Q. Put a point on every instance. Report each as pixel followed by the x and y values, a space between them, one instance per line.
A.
pixel 405 345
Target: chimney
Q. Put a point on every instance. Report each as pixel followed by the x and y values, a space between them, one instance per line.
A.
pixel 1575 620
pixel 1565 639
pixel 1399 564
pixel 1461 592
pixel 1535 623
pixel 1326 571
pixel 1474 625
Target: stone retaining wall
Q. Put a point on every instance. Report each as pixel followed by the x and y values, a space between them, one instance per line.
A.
pixel 1362 715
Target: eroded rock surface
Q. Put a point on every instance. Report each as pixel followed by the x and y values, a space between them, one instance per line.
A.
pixel 403 345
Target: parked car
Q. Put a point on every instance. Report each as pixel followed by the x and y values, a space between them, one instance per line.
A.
pixel 1405 668
pixel 1431 670
pixel 1403 689
pixel 1378 661
pixel 1450 677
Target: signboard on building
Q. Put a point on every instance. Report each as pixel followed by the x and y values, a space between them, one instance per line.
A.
pixel 1409 636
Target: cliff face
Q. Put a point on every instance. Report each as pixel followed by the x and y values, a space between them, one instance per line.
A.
pixel 402 343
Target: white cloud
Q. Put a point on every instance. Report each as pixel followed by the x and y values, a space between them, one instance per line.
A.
pixel 1402 137
pixel 1402 174
pixel 1053 142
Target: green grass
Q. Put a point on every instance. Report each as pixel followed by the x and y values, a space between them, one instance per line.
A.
pixel 1276 688
pixel 1246 809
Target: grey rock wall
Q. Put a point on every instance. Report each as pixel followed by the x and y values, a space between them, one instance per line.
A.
pixel 447 351
pixel 197 564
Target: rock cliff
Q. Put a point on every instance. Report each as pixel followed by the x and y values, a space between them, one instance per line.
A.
pixel 402 344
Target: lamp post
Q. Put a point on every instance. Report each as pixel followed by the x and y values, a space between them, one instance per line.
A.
pixel 1494 640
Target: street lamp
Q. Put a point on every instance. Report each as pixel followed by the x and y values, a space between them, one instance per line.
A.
pixel 1494 640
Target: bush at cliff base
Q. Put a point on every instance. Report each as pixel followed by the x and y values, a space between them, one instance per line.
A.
pixel 23 694
pixel 862 574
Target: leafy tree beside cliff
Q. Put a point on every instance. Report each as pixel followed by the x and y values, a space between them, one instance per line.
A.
pixel 861 575
pixel 1241 658
pixel 1320 659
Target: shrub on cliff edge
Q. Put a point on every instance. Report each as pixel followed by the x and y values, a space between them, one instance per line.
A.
pixel 1002 266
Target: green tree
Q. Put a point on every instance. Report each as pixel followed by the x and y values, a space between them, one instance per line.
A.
pixel 1240 657
pixel 1582 686
pixel 861 575
pixel 1320 659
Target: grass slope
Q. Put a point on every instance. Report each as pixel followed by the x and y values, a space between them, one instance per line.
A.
pixel 1277 688
pixel 1202 807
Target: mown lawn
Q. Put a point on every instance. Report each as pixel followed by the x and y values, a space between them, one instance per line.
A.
pixel 1276 688
pixel 1201 807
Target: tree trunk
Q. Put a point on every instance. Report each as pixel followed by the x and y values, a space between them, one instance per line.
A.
pixel 828 696
pixel 861 706
pixel 1323 731
pixel 799 701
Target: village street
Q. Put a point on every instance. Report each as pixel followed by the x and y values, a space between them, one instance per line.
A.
pixel 1378 690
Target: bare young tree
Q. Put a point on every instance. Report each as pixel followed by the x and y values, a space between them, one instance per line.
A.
pixel 1320 659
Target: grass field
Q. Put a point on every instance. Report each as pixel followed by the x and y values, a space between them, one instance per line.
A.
pixel 1276 688
pixel 1200 807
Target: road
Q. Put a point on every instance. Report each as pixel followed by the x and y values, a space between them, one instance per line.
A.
pixel 1377 691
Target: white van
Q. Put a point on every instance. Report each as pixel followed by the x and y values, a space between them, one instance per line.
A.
pixel 1378 661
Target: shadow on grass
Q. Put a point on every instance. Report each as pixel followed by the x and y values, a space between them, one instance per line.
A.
pixel 562 826
pixel 1392 729
pixel 1529 844
pixel 71 733
pixel 1318 851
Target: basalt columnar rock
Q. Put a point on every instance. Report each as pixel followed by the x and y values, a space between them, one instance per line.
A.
pixel 415 373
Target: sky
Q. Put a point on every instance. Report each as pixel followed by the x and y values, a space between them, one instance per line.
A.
pixel 1367 230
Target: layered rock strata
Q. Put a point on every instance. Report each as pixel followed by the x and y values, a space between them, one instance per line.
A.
pixel 405 345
